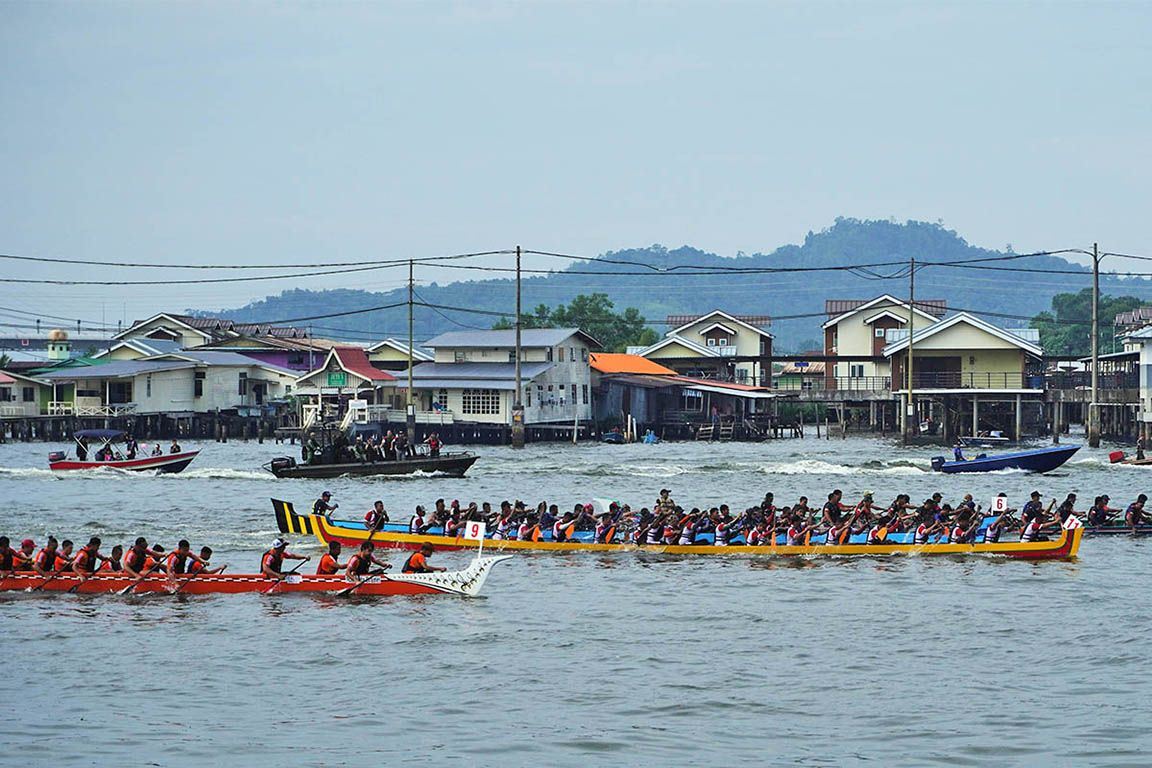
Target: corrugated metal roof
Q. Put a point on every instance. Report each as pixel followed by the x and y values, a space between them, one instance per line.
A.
pixel 117 369
pixel 608 362
pixel 504 385
pixel 228 358
pixel 835 307
pixel 477 371
pixel 530 337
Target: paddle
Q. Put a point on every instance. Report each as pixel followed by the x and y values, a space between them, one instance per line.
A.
pixel 184 583
pixel 362 582
pixel 46 581
pixel 285 575
pixel 128 589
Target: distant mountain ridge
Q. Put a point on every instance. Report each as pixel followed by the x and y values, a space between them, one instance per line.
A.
pixel 780 295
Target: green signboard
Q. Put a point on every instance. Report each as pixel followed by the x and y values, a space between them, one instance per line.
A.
pixel 337 379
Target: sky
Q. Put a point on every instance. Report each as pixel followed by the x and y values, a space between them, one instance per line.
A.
pixel 277 133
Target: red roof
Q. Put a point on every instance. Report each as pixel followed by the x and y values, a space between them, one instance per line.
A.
pixel 6 379
pixel 355 360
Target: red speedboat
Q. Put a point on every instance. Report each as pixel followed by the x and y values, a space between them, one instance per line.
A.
pixel 109 456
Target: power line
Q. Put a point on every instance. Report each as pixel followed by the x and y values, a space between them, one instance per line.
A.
pixel 146 265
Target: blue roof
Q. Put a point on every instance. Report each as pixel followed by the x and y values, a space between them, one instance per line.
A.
pixel 425 374
pixel 99 434
pixel 117 369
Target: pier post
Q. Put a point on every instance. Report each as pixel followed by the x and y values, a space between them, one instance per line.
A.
pixel 975 415
pixel 1018 416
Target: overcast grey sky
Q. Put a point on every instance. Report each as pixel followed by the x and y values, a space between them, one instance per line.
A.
pixel 265 132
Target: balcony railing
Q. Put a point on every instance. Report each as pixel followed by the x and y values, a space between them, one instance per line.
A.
pixel 973 380
pixel 1083 380
pixel 838 383
pixel 121 409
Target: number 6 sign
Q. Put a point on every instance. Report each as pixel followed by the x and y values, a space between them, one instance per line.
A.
pixel 1000 504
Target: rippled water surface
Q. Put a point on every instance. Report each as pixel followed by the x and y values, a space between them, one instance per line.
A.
pixel 578 660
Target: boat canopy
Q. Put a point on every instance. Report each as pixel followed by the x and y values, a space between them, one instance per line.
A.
pixel 108 435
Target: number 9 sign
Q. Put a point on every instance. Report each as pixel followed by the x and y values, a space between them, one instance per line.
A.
pixel 475 530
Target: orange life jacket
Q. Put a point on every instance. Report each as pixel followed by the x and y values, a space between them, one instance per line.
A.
pixel 417 563
pixel 327 565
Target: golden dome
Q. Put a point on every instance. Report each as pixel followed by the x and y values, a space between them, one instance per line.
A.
pixel 57 334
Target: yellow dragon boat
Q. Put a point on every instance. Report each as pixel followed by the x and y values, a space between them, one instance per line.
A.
pixel 352 533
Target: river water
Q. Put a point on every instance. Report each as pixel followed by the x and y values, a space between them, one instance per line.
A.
pixel 576 660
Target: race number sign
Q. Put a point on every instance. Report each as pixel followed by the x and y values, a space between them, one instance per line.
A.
pixel 1000 505
pixel 475 530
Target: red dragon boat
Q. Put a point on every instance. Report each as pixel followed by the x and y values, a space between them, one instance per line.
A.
pixel 168 463
pixel 466 582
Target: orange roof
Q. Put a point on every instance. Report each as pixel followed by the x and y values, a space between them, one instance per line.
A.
pixel 612 362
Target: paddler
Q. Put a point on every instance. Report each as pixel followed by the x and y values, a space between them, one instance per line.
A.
pixel 201 566
pixel 25 559
pixel 1101 513
pixel 135 562
pixel 418 562
pixel 375 518
pixel 45 562
pixel 833 509
pixel 64 556
pixel 322 506
pixel 360 564
pixel 178 559
pixel 1134 515
pixel 799 527
pixel 418 524
pixel 272 560
pixel 88 559
pixel 1066 509
pixel 112 563
pixel 10 558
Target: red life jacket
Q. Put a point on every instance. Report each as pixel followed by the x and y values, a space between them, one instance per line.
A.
pixel 86 559
pixel 358 564
pixel 272 560
pixel 135 559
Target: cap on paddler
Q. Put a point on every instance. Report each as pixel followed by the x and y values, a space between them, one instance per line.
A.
pixel 27 543
pixel 326 494
pixel 1035 494
pixel 279 543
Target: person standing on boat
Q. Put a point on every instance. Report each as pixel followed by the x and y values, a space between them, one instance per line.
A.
pixel 418 562
pixel 82 449
pixel 272 561
pixel 1033 510
pixel 175 447
pixel 434 445
pixel 1140 445
pixel 958 451
pixel 322 507
pixel 131 448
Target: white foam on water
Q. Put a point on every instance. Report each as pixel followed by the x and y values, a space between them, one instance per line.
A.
pixel 818 467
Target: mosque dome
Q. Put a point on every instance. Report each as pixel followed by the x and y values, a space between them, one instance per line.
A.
pixel 57 334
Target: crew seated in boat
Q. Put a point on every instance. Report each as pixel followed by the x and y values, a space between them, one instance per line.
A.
pixel 418 524
pixel 322 506
pixel 112 563
pixel 375 518
pixel 175 447
pixel 140 559
pixel 1066 509
pixel 926 527
pixel 799 528
pixel 418 562
pixel 272 561
pixel 11 559
pixel 179 559
pixel 878 532
pixel 360 564
pixel 964 527
pixel 88 559
pixel 1100 513
pixel 157 451
pixel 1134 515
pixel 201 566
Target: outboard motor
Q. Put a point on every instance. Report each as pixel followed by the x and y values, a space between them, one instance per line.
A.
pixel 55 456
pixel 282 463
pixel 937 463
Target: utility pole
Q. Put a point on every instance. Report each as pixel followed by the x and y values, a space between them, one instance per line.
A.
pixel 517 399
pixel 1094 406
pixel 910 425
pixel 410 418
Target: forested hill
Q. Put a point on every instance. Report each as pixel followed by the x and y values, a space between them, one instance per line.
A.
pixel 848 241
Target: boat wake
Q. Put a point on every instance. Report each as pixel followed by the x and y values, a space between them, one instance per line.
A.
pixel 818 467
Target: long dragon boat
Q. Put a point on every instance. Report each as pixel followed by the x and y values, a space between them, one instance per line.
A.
pixel 353 533
pixel 466 582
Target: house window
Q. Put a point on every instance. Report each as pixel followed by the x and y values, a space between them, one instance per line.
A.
pixel 512 356
pixel 692 400
pixel 549 354
pixel 480 401
pixel 539 395
pixel 198 384
pixel 856 370
pixel 722 342
pixel 711 342
pixel 585 392
pixel 296 360
pixel 242 385
pixel 528 396
pixel 460 356
pixel 148 385
pixel 573 394
pixel 879 333
pixel 571 354
pixel 5 394
pixel 584 354
pixel 29 394
pixel 442 400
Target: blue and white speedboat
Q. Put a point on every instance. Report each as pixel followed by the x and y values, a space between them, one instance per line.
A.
pixel 1035 460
